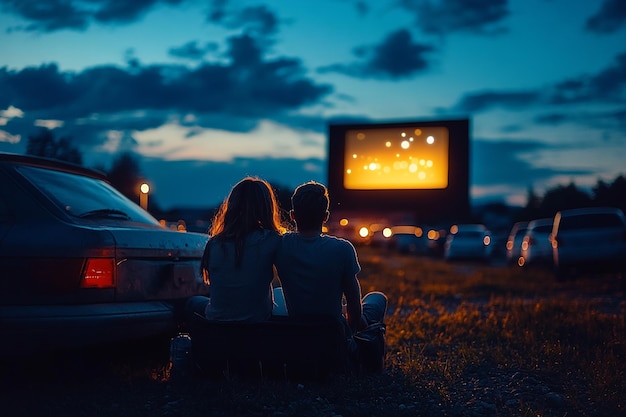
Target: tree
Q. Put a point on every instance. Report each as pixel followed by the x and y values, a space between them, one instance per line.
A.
pixel 563 198
pixel 533 206
pixel 44 144
pixel 613 195
pixel 125 175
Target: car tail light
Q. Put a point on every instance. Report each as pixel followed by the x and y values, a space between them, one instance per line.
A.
pixel 99 273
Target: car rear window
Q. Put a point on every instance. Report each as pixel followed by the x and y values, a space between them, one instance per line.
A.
pixel 544 228
pixel 85 197
pixel 591 221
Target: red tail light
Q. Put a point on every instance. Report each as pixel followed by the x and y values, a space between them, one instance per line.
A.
pixel 99 273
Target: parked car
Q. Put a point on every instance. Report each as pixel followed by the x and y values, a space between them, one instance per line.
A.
pixel 536 248
pixel 408 239
pixel 80 264
pixel 589 240
pixel 514 242
pixel 468 241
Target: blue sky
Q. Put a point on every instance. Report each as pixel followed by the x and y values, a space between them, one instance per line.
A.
pixel 209 91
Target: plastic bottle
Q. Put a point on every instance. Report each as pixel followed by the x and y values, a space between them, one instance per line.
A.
pixel 180 356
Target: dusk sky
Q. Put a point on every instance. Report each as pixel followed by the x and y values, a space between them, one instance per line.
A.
pixel 208 91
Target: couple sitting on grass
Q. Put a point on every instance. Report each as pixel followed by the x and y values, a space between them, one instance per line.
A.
pixel 316 271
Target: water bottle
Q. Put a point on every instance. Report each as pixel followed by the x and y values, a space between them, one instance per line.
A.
pixel 180 356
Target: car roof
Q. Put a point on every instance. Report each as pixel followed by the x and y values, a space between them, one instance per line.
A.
pixel 51 163
pixel 540 222
pixel 589 210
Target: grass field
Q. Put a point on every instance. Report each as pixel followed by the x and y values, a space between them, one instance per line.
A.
pixel 462 340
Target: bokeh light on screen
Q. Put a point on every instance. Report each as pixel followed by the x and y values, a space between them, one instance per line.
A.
pixel 396 158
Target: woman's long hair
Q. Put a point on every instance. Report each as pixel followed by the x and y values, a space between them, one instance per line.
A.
pixel 251 205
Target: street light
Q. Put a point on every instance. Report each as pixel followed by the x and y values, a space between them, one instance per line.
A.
pixel 143 196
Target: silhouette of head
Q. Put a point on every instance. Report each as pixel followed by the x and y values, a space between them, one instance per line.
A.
pixel 310 204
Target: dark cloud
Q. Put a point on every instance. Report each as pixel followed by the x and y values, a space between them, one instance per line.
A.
pixel 610 18
pixel 484 100
pixel 257 20
pixel 446 16
pixel 53 15
pixel 253 20
pixel 600 119
pixel 607 86
pixel 248 87
pixel 396 57
pixel 193 51
pixel 499 162
pixel 123 11
pixel 362 7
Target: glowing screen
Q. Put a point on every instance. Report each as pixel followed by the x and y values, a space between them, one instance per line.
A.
pixel 396 158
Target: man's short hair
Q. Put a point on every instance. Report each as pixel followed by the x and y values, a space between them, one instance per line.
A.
pixel 310 203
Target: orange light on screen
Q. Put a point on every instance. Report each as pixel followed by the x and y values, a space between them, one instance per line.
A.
pixel 396 158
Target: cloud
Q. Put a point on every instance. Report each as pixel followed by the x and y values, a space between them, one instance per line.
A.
pixel 170 142
pixel 615 119
pixel 236 94
pixel 445 16
pixel 397 56
pixel 608 86
pixel 510 163
pixel 53 15
pixel 485 100
pixel 253 20
pixel 193 51
pixel 610 18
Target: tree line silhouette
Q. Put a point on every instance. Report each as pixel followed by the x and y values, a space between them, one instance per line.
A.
pixel 563 197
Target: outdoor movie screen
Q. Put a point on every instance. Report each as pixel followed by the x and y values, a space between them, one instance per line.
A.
pixel 396 158
pixel 416 165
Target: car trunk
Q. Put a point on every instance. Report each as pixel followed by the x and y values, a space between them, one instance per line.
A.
pixel 149 262
pixel 157 264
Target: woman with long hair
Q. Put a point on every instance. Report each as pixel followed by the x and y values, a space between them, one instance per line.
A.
pixel 238 261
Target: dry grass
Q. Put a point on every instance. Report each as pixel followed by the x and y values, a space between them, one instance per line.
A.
pixel 462 340
pixel 448 322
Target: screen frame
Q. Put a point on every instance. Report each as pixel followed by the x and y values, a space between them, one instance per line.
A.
pixel 427 204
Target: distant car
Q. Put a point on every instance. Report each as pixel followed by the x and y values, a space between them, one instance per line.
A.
pixel 468 241
pixel 589 239
pixel 408 239
pixel 536 248
pixel 80 264
pixel 514 242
